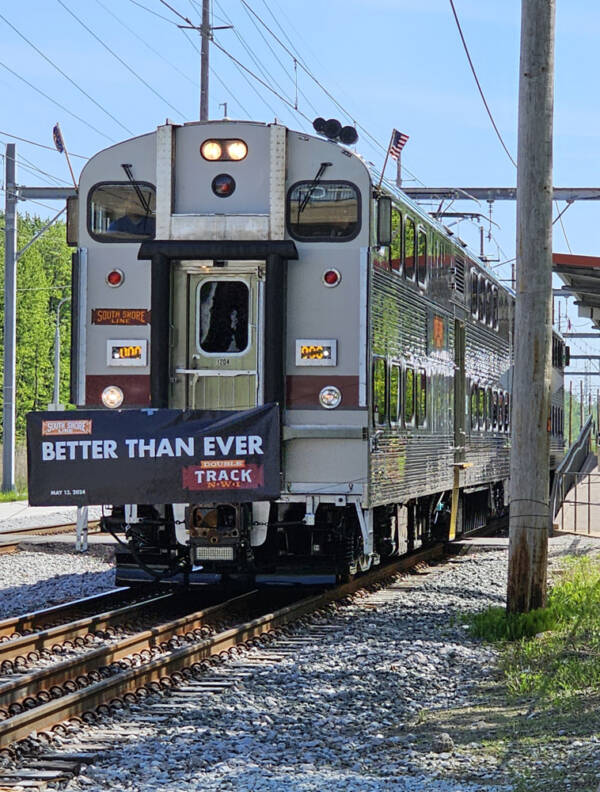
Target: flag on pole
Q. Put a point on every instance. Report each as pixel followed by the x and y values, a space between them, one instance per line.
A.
pixel 397 143
pixel 58 138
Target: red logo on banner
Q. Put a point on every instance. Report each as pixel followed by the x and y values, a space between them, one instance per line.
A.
pixel 223 474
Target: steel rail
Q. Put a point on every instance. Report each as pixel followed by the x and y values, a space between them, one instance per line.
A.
pixel 44 639
pixel 75 704
pixel 30 684
pixel 36 619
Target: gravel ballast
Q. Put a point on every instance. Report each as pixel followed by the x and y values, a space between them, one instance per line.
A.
pixel 52 574
pixel 336 708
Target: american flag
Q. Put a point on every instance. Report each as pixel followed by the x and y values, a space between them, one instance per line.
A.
pixel 58 138
pixel 397 143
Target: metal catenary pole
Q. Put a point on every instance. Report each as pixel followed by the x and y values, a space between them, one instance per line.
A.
pixel 10 319
pixel 530 520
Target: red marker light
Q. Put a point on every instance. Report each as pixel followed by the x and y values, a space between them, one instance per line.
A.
pixel 115 277
pixel 331 277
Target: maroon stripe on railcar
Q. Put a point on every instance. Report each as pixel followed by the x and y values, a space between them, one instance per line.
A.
pixel 302 391
pixel 135 387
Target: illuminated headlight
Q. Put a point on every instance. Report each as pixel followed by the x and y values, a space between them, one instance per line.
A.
pixel 211 150
pixel 112 397
pixel 330 397
pixel 224 150
pixel 237 150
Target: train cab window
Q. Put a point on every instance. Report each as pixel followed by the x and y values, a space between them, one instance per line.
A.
pixel 379 411
pixel 122 212
pixel 395 379
pixel 409 396
pixel 422 258
pixel 222 311
pixel 326 211
pixel 474 293
pixel 396 246
pixel 481 293
pixel 409 248
pixel 474 407
pixel 421 398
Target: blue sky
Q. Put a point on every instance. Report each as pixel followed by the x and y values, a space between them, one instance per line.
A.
pixel 390 63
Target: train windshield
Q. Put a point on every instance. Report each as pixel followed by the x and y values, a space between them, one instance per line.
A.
pixel 328 211
pixel 122 212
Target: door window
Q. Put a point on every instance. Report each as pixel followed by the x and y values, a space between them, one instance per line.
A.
pixel 223 317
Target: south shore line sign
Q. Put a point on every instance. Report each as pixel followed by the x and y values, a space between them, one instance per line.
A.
pixel 107 457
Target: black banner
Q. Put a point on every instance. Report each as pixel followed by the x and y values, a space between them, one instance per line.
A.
pixel 87 457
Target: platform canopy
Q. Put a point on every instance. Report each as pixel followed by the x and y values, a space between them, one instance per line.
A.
pixel 581 276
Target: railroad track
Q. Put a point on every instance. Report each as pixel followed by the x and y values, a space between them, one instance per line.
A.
pixel 11 546
pixel 172 654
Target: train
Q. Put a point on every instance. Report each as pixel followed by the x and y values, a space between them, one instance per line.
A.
pixel 284 368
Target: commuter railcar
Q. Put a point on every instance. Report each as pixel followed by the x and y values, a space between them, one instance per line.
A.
pixel 226 265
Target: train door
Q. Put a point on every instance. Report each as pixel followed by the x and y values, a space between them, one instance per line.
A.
pixel 224 338
pixel 459 391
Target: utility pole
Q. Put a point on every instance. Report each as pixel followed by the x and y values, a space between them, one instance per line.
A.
pixel 204 63
pixel 530 519
pixel 10 319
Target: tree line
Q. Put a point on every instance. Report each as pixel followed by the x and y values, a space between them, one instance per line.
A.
pixel 43 279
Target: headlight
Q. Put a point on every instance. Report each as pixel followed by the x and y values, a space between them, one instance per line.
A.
pixel 330 397
pixel 112 397
pixel 224 150
pixel 211 150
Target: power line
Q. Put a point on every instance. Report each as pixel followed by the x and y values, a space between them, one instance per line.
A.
pixel 40 145
pixel 65 75
pixel 489 112
pixel 54 101
pixel 118 57
pixel 150 11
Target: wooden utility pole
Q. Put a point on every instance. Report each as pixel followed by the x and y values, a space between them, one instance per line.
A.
pixel 530 520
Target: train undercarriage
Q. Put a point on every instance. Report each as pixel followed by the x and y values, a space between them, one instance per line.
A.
pixel 297 542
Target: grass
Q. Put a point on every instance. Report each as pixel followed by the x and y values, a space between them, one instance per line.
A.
pixel 552 653
pixel 15 495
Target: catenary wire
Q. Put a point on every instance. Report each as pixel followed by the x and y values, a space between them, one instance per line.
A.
pixel 489 112
pixel 40 145
pixel 124 63
pixel 151 11
pixel 65 75
pixel 54 101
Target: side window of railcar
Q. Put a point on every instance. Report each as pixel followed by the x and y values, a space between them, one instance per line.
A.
pixel 474 406
pixel 481 407
pixel 326 212
pixel 489 304
pixel 395 380
pixel 409 396
pixel 474 293
pixel 222 317
pixel 379 411
pixel 409 248
pixel 500 411
pixel 489 408
pixel 506 412
pixel 481 292
pixel 421 398
pixel 422 258
pixel 495 307
pixel 121 211
pixel 495 410
pixel 396 246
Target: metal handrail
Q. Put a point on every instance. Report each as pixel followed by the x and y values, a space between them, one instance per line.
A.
pixel 571 464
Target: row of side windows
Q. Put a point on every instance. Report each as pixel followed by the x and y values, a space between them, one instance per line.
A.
pixel 560 356
pixel 399 394
pixel 490 409
pixel 408 250
pixel 484 300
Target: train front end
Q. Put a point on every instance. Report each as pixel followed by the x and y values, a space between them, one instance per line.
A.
pixel 208 307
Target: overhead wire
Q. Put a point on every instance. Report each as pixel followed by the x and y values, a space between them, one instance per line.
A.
pixel 480 89
pixel 65 75
pixel 40 145
pixel 124 63
pixel 54 101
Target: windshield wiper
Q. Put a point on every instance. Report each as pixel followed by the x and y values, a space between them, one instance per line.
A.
pixel 141 197
pixel 312 187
